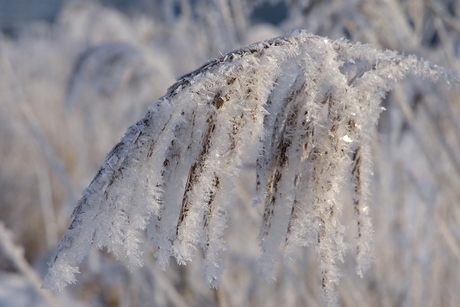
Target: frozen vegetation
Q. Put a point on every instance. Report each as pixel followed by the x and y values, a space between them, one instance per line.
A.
pixel 315 168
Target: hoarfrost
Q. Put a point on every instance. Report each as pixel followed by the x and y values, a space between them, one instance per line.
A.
pixel 291 100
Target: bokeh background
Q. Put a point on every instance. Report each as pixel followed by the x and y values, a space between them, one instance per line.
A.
pixel 75 74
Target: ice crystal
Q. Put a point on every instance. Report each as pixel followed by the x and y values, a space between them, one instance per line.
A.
pixel 305 107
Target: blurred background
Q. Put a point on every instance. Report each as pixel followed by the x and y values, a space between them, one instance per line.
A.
pixel 75 74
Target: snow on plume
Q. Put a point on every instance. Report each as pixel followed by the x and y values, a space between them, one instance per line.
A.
pixel 306 106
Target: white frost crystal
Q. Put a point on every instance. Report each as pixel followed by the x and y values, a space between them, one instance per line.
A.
pixel 289 99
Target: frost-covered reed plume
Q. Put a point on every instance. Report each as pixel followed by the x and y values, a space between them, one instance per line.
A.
pixel 302 106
